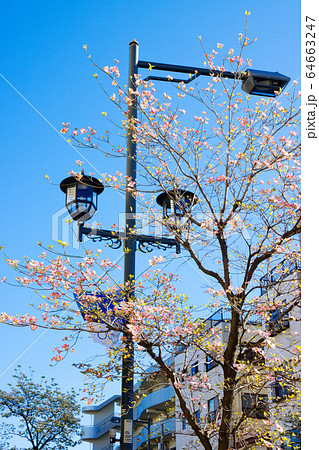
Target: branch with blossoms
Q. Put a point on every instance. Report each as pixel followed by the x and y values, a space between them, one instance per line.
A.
pixel 180 156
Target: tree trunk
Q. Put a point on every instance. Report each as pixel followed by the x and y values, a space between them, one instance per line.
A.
pixel 202 436
pixel 224 441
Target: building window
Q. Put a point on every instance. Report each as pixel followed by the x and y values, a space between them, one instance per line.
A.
pixel 284 383
pixel 279 390
pixel 251 355
pixel 294 437
pixel 255 405
pixel 197 415
pixel 210 363
pixel 212 406
pixel 184 424
pixel 194 368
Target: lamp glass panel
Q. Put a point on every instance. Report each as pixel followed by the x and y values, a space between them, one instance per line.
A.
pixel 170 208
pixel 182 206
pixel 78 210
pixel 70 194
pixel 94 200
pixel 84 192
pixel 266 91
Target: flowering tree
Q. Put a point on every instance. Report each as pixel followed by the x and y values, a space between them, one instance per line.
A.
pixel 240 158
pixel 48 417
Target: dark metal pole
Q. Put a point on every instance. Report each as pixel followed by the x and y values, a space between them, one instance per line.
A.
pixel 129 263
pixel 148 432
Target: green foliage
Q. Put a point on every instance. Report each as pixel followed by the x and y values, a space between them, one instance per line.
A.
pixel 49 418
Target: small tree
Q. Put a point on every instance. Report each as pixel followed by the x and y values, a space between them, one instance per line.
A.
pixel 48 417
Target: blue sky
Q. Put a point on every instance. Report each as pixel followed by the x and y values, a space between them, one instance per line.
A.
pixel 46 79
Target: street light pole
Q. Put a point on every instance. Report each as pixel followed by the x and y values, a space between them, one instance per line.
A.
pixel 126 439
pixel 81 200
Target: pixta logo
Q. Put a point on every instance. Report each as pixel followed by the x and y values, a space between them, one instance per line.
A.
pixel 65 229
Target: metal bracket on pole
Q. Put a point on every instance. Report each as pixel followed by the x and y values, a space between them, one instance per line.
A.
pixel 146 244
pixel 113 238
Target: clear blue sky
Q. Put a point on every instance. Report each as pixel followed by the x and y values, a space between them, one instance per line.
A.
pixel 43 60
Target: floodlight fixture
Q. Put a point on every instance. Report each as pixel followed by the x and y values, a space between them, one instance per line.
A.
pixel 260 82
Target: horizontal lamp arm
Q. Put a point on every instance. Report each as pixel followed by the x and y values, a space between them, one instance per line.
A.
pixel 146 243
pixel 189 69
pixel 173 80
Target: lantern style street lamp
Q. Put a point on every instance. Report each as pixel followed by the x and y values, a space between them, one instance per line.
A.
pixel 81 200
pixel 81 196
pixel 177 205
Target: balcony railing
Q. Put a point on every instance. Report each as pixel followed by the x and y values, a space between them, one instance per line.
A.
pixel 278 322
pixel 224 315
pixel 221 315
pixel 95 431
pixel 154 399
pixel 157 430
pixel 282 270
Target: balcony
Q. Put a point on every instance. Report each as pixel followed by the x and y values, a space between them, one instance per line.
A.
pixel 157 430
pixel 91 432
pixel 155 400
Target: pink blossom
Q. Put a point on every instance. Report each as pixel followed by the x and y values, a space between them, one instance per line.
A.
pixel 222 178
pixel 156 260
